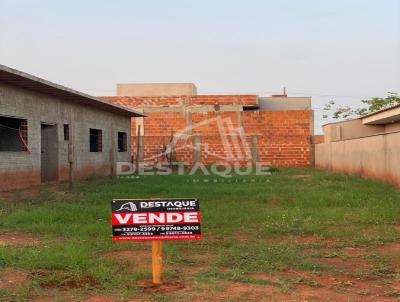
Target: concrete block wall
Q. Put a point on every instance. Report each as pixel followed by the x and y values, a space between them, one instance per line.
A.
pixel 144 89
pixel 375 156
pixel 23 169
pixel 279 138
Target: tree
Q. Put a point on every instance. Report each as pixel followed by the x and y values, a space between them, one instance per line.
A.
pixel 372 105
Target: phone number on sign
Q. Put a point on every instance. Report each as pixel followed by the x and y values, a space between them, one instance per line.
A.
pixel 161 228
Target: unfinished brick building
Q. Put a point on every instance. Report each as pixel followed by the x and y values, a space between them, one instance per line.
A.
pixel 242 129
pixel 49 132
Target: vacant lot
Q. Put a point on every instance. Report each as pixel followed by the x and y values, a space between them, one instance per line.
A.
pixel 298 235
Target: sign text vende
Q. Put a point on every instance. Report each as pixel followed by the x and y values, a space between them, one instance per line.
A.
pixel 155 219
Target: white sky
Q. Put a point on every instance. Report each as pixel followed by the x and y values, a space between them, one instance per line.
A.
pixel 341 50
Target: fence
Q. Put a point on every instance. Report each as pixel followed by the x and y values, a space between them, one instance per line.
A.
pixel 376 156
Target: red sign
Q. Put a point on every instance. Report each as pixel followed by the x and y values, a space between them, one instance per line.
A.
pixel 156 219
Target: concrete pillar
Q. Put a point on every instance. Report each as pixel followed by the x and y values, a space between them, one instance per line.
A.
pixel 254 149
pixel 240 118
pixel 141 149
pixel 312 141
pixel 312 151
pixel 196 148
pixel 188 121
pixel 112 152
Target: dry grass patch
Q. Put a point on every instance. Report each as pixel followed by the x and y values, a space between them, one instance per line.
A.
pixel 346 265
pixel 64 297
pixel 355 251
pixel 18 239
pixel 52 279
pixel 12 279
pixel 310 286
pixel 390 249
pixel 139 259
pixel 166 287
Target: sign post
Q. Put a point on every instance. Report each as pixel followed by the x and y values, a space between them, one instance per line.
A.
pixel 156 261
pixel 156 220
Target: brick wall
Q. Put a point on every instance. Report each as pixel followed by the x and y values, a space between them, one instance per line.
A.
pixel 283 136
pixel 226 132
pixel 223 100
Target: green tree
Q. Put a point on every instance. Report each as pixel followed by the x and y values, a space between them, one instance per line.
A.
pixel 371 105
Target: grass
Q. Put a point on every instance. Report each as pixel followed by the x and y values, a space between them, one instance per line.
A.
pixel 248 226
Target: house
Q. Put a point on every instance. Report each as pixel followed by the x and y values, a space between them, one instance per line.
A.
pixel 367 146
pixel 52 133
pixel 235 129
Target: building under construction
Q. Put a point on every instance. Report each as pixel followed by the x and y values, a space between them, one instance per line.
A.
pixel 49 132
pixel 276 130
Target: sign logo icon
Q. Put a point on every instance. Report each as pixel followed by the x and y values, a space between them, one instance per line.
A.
pixel 129 206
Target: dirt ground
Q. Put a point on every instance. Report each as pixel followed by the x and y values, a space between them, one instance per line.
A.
pixel 18 239
pixel 308 287
pixel 340 284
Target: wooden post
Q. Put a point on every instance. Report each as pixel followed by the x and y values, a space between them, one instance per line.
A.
pixel 156 257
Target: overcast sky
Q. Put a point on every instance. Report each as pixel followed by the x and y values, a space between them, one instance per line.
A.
pixel 344 50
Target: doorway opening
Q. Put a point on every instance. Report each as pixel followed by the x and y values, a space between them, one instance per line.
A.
pixel 49 153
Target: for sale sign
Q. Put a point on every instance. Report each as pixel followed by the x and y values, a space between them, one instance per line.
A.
pixel 156 219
